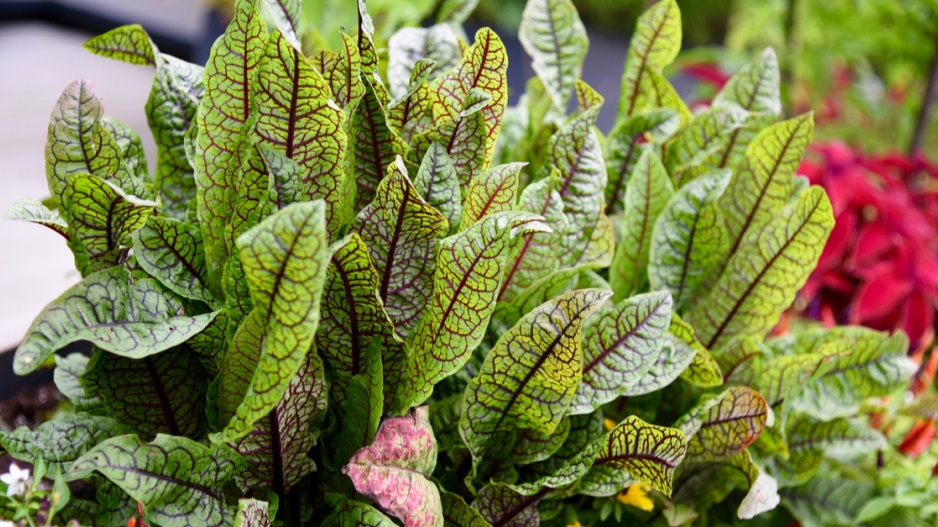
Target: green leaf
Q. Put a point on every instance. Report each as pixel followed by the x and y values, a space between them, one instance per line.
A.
pixel 285 259
pixel 252 513
pixel 490 192
pixel 585 429
pixel 704 484
pixel 648 193
pixel 33 211
pixel 761 280
pixel 776 378
pixel 171 251
pixel 347 512
pixel 67 377
pixel 754 88
pixel 469 266
pixel 634 452
pixel 253 192
pixel 132 154
pixel 409 45
pixel 162 393
pixel 809 441
pixel 176 479
pixel 861 363
pixel 171 111
pixel 456 12
pixel 436 181
pixel 688 239
pixel 224 112
pixel 620 347
pixel 133 320
pixel 535 257
pixel 827 500
pixel 499 505
pixel 555 38
pixel 529 377
pixel 699 147
pixel 401 229
pixel 393 471
pixel 353 317
pixel 413 114
pixel 276 449
pixel 58 443
pixel 101 216
pixel 457 513
pixel 483 67
pixel 678 351
pixel 130 44
pixel 343 72
pixel 721 426
pixel 376 144
pixel 655 44
pixel 296 118
pixel 760 187
pixel 624 147
pixel 465 137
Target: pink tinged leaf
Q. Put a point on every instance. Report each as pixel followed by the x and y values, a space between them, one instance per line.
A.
pixel 393 471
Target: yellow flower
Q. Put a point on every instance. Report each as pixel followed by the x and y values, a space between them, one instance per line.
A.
pixel 637 496
pixel 575 524
pixel 610 424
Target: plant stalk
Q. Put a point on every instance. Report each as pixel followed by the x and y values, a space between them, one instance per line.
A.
pixel 928 102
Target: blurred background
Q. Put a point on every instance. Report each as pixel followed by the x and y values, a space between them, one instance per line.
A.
pixel 868 68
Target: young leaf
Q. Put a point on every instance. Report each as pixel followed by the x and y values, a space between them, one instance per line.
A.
pixel 162 393
pixel 133 320
pixel 130 44
pixel 101 217
pixel 284 259
pixel 483 67
pixel 58 443
pixel 176 479
pixel 860 363
pixel 761 280
pixel 77 141
pixel 393 470
pixel 619 347
pixel 286 15
pixel 553 35
pixel 409 45
pixel 171 251
pixel 464 136
pixel 221 118
pixel 761 186
pixel 376 144
pixel 296 118
pixel 624 148
pixel 252 513
pixel 490 192
pixel 655 44
pixel 648 192
pixel 436 181
pixel 699 147
pixel 809 441
pixel 400 230
pixel 456 318
pixel 353 317
pixel 276 449
pixel 688 238
pixel 413 114
pixel 362 406
pixel 722 426
pixel 33 211
pixel 529 377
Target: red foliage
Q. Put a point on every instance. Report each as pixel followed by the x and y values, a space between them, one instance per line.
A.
pixel 880 266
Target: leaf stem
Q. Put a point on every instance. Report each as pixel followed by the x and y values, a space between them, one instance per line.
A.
pixel 928 101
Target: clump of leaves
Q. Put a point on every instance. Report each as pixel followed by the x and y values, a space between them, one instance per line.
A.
pixel 349 298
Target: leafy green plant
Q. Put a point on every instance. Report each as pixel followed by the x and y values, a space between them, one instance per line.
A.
pixel 344 299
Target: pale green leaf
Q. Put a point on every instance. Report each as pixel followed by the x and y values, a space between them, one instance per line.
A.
pixel 490 192
pixel 555 38
pixel 171 251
